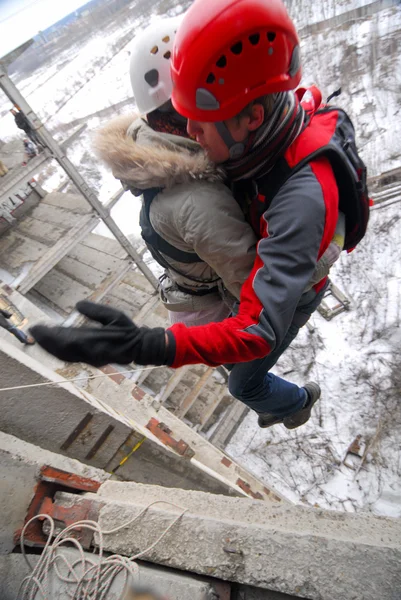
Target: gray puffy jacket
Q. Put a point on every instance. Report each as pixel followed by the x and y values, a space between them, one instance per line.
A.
pixel 195 212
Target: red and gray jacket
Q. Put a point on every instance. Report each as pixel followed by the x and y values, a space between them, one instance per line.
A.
pixel 296 224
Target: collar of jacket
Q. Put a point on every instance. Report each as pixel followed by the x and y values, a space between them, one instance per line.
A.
pixel 143 158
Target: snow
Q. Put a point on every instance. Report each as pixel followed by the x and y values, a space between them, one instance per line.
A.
pixel 362 57
pixel 355 356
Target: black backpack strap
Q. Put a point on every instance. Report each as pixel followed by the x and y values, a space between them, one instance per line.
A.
pixel 349 172
pixel 153 239
pixel 158 247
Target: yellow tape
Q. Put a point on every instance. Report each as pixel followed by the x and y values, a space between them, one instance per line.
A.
pixel 134 449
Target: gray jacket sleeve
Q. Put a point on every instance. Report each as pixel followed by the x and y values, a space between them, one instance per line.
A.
pixel 214 225
pixel 288 253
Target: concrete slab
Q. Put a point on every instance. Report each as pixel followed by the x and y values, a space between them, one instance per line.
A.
pixel 245 592
pixel 170 584
pixel 25 452
pixel 310 553
pixel 17 484
pixel 58 418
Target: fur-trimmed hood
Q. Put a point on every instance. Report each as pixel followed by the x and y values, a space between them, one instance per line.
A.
pixel 142 158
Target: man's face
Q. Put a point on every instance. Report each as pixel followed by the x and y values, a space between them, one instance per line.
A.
pixel 209 138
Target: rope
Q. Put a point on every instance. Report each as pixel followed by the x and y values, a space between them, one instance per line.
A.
pixel 86 579
pixel 31 385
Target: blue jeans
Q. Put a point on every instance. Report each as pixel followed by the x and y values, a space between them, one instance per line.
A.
pixel 20 335
pixel 252 383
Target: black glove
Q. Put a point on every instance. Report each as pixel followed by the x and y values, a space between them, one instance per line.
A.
pixel 6 314
pixel 119 340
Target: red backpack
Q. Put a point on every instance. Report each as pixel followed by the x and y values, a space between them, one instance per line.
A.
pixel 333 136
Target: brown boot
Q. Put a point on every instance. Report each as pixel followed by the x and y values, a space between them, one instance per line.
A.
pixel 313 392
pixel 267 420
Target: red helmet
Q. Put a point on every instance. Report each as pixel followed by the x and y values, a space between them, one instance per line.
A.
pixel 229 52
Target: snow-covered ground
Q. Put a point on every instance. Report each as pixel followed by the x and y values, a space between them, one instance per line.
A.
pixel 363 57
pixel 356 356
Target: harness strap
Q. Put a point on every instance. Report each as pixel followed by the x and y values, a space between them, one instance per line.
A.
pixel 194 292
pixel 152 238
pixel 159 247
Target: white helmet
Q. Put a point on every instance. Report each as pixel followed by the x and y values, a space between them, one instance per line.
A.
pixel 150 64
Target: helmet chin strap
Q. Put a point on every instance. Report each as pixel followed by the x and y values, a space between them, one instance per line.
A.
pixel 236 149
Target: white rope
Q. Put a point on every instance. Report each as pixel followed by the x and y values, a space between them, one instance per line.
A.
pixel 85 579
pixel 31 385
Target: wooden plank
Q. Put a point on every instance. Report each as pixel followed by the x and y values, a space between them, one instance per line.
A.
pixel 210 408
pixel 56 215
pixel 46 233
pixel 132 295
pixel 136 279
pixel 72 202
pixel 95 258
pixel 56 252
pixel 104 244
pixel 88 276
pixel 100 292
pixel 229 424
pixel 172 384
pixel 62 290
pixel 16 250
pixel 146 310
pixel 119 304
pixel 190 399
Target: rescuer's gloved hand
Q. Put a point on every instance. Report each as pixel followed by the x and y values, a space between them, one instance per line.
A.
pixel 119 340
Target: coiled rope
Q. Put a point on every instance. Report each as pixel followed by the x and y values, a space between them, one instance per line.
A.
pixel 84 578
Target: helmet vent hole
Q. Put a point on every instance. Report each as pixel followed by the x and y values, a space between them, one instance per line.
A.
pixel 236 48
pixel 254 39
pixel 154 50
pixel 167 54
pixel 222 62
pixel 271 36
pixel 152 77
pixel 210 78
pixel 166 39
